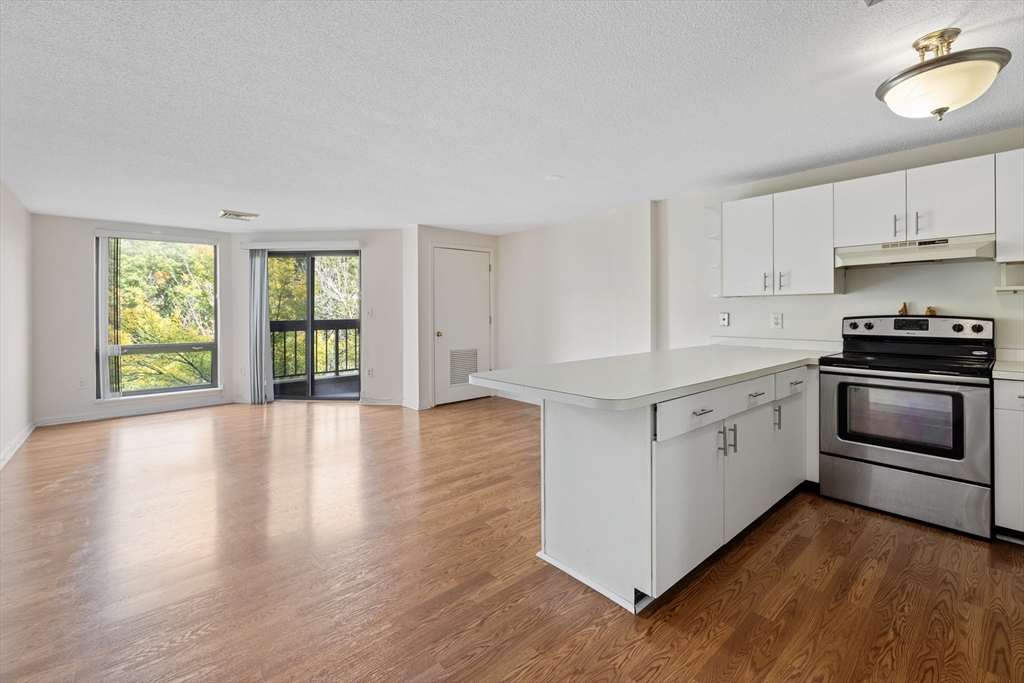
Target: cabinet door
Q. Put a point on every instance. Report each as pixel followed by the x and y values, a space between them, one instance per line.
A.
pixel 1010 206
pixel 749 462
pixel 790 445
pixel 804 256
pixel 688 503
pixel 747 247
pixel 1008 473
pixel 952 199
pixel 871 210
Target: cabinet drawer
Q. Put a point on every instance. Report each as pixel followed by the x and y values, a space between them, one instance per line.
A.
pixel 1007 395
pixel 790 382
pixel 692 412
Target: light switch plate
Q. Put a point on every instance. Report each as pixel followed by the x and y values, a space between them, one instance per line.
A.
pixel 776 321
pixel 723 319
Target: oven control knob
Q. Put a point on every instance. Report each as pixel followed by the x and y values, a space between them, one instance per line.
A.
pixel 958 327
pixel 869 326
pixel 854 326
pixel 977 329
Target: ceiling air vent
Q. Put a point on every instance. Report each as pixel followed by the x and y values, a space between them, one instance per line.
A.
pixel 238 215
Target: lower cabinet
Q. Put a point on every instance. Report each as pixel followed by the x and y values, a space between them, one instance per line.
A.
pixel 711 482
pixel 689 473
pixel 1008 473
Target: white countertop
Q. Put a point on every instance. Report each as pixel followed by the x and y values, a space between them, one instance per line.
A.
pixel 1006 369
pixel 627 382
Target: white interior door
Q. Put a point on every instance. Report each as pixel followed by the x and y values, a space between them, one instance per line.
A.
pixel 462 323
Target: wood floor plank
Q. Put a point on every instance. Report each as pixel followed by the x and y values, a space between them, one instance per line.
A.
pixel 336 542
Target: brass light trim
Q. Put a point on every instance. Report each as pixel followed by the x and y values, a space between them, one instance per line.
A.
pixel 939 43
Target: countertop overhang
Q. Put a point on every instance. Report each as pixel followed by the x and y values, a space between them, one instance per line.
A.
pixel 641 379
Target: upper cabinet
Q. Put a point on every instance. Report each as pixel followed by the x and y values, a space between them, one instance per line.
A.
pixel 779 244
pixel 747 247
pixel 1010 206
pixel 952 199
pixel 871 210
pixel 804 262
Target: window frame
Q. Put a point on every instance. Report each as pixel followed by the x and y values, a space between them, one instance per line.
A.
pixel 106 350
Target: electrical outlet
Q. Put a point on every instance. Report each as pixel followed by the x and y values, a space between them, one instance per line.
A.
pixel 369 372
pixel 241 371
pixel 723 319
pixel 776 321
pixel 79 383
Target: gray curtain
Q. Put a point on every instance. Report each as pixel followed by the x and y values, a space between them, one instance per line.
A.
pixel 261 385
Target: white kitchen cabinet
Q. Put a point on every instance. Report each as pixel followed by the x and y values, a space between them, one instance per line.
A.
pixel 789 448
pixel 1008 472
pixel 952 199
pixel 749 461
pixel 1010 206
pixel 688 506
pixel 747 263
pixel 870 210
pixel 804 262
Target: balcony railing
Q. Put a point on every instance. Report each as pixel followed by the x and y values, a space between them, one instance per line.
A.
pixel 334 352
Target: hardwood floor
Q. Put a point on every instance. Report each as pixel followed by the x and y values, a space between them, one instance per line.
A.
pixel 326 541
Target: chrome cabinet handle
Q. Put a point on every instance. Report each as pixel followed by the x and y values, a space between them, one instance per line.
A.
pixel 917 222
pixel 894 225
pixel 1020 397
pixel 704 411
pixel 780 280
pixel 725 441
pixel 734 435
pixel 796 383
pixel 764 282
pixel 756 394
pixel 778 413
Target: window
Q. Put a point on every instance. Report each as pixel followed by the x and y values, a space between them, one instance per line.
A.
pixel 156 315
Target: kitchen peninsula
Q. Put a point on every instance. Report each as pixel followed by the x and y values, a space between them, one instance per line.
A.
pixel 651 462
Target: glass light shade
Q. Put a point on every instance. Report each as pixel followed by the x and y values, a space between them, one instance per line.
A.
pixel 949 86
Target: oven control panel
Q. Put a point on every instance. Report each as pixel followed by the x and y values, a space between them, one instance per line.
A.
pixel 934 327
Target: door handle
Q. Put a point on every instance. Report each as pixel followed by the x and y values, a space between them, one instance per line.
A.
pixel 756 394
pixel 703 412
pixel 778 414
pixel 439 334
pixel 734 437
pixel 725 441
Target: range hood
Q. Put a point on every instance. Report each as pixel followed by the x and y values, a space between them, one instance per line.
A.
pixel 977 247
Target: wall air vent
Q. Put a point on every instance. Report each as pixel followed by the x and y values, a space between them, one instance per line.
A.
pixel 238 215
pixel 462 365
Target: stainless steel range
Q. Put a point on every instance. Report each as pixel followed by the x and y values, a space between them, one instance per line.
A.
pixel 906 419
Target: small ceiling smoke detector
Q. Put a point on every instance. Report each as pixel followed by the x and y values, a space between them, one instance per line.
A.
pixel 553 178
pixel 238 215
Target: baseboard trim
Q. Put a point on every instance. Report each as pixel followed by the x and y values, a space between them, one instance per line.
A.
pixel 380 402
pixel 131 412
pixel 13 447
pixel 811 487
pixel 413 405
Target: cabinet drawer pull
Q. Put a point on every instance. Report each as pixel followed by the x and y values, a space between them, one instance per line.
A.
pixel 735 432
pixel 796 384
pixel 778 413
pixel 703 411
pixel 725 442
pixel 1020 397
pixel 780 280
pixel 917 222
pixel 764 283
pixel 894 225
pixel 756 394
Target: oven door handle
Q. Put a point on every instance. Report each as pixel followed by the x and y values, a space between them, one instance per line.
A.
pixel 946 379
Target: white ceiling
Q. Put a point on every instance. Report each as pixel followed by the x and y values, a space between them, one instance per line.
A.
pixel 379 115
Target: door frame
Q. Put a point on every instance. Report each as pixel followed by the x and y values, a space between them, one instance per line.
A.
pixel 430 306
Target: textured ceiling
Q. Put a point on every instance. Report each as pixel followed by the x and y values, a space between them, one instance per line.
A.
pixel 376 115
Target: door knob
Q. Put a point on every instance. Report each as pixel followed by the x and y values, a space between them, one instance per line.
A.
pixel 439 334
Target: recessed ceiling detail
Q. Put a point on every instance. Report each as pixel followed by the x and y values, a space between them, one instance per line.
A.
pixel 355 115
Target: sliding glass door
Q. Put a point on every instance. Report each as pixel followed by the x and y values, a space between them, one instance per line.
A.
pixel 314 324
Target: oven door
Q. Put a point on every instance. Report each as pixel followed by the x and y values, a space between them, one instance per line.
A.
pixel 933 427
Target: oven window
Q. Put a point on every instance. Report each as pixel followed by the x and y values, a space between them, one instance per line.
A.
pixel 904 419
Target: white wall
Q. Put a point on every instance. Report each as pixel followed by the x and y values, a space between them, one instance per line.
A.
pixel 15 323
pixel 577 290
pixel 381 331
pixel 689 288
pixel 63 323
pixel 418 244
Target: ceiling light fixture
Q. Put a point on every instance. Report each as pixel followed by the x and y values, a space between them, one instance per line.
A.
pixel 944 83
pixel 238 215
pixel 552 178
